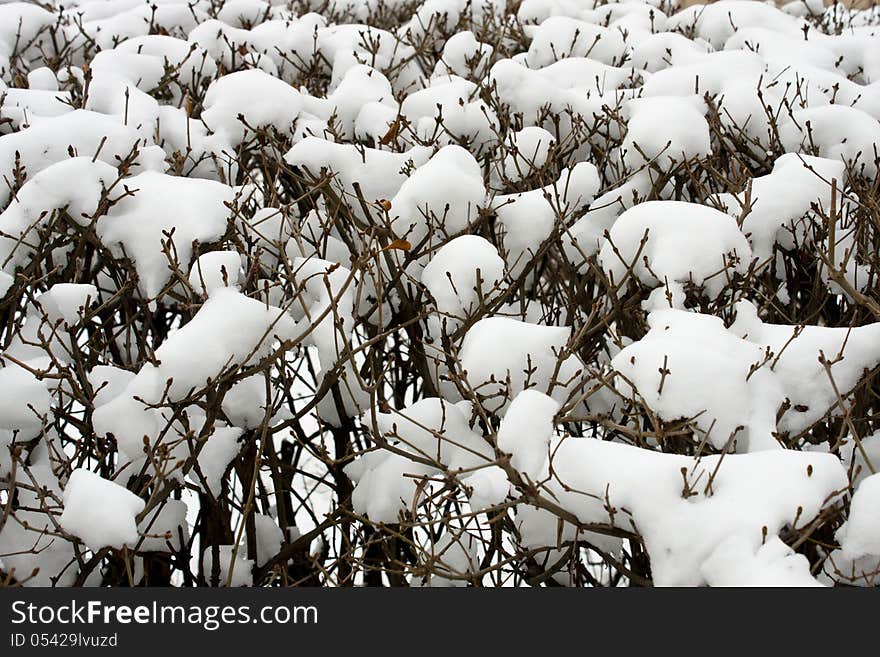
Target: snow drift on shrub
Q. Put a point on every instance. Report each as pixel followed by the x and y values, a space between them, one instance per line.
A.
pixel 439 293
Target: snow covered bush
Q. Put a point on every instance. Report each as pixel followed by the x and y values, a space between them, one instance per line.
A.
pixel 441 293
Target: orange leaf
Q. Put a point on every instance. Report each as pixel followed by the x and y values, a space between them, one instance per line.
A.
pixel 391 135
pixel 400 245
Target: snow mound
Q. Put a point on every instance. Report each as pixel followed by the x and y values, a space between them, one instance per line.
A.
pixel 100 512
pixel 667 242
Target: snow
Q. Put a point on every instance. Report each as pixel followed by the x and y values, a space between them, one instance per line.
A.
pixel 446 193
pixel 526 430
pixel 718 21
pixel 243 11
pixel 108 382
pixel 216 455
pixel 487 487
pixel 690 366
pixel 377 172
pixel 860 535
pixel 464 55
pixel 326 304
pixel 234 568
pixel 735 562
pixel 23 106
pixel 30 531
pixel 163 528
pixel 386 485
pixel 230 329
pixel 529 149
pixel 139 224
pixel 215 270
pixel 529 218
pixel 83 131
pixel 434 429
pixel 453 557
pixel 67 302
pixel 567 89
pixel 862 455
pixel 143 59
pixel 809 387
pixel 269 538
pixel 244 404
pixel 748 495
pixel 22 23
pixel 835 132
pixel 360 85
pixel 52 560
pixel 124 20
pixel 586 236
pixel 781 202
pixel 501 357
pixel 100 512
pixel 45 191
pixel 5 453
pixel 26 400
pixel 561 36
pixel 260 99
pixel 461 275
pixel 664 49
pixel 662 127
pixel 708 73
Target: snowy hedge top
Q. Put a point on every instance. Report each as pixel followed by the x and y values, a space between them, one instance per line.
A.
pixel 456 292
